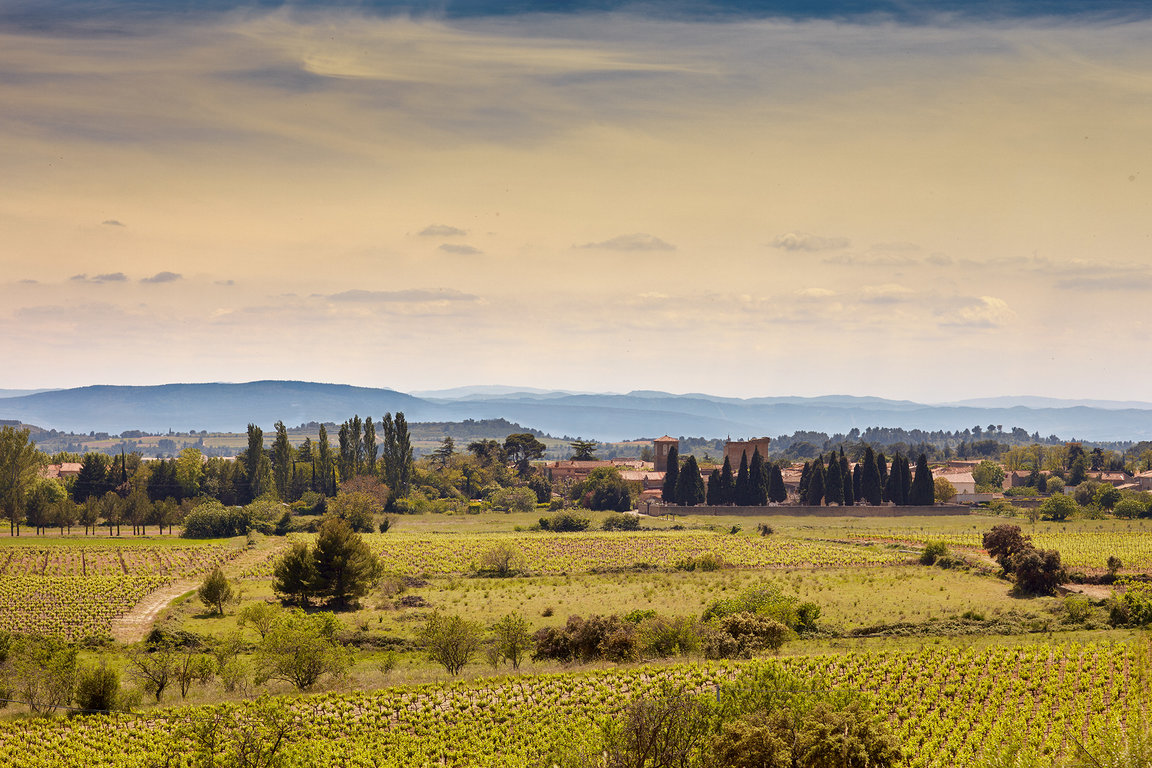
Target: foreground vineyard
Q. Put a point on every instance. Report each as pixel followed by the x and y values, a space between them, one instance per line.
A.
pixel 948 708
pixel 75 590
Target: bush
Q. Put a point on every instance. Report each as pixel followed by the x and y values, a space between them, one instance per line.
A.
pixel 513 500
pixel 311 503
pixel 97 689
pixel 215 591
pixel 451 641
pixel 1129 508
pixel 212 520
pixel 502 559
pixel 770 602
pixel 621 522
pixel 1038 571
pixel 933 550
pixel 746 634
pixel 1054 485
pixel 1004 541
pixel 705 562
pixel 1133 606
pixel 1058 508
pixel 598 637
pixel 565 522
pixel 605 489
pixel 1022 490
pixel 358 508
pixel 660 637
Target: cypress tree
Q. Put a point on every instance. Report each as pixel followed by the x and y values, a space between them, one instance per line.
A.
pixel 894 491
pixel 689 485
pixel 671 476
pixel 805 479
pixel 776 490
pixel 714 497
pixel 757 482
pixel 816 483
pixel 742 494
pixel 833 482
pixel 846 477
pixel 727 483
pixel 905 480
pixel 923 491
pixel 857 483
pixel 882 468
pixel 870 482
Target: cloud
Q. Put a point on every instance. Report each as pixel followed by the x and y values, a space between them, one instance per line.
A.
pixel 802 241
pixel 441 230
pixel 940 260
pixel 815 293
pixel 112 223
pixel 409 295
pixel 107 277
pixel 888 293
pixel 634 242
pixel 984 312
pixel 1117 282
pixel 460 250
pixel 225 282
pixel 162 277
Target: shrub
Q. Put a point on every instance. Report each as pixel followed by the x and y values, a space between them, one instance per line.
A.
pixel 1058 508
pixel 1133 606
pixel 1054 485
pixel 1022 490
pixel 1004 541
pixel 943 490
pixel 513 500
pixel 212 520
pixel 705 562
pixel 767 601
pixel 743 635
pixel 933 550
pixel 621 522
pixel 597 637
pixel 764 529
pixel 502 559
pixel 1038 571
pixel 565 522
pixel 1129 508
pixel 451 641
pixel 97 689
pixel 215 591
pixel 660 637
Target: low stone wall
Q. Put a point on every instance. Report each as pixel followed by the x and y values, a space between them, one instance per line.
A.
pixel 799 511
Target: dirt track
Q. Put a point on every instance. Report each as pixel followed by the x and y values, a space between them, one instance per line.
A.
pixel 135 624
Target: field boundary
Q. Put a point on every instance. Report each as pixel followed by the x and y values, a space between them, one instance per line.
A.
pixel 938 510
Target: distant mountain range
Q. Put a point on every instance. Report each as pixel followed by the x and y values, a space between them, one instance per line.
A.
pixel 607 417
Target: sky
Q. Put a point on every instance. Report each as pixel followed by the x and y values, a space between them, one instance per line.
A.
pixel 925 201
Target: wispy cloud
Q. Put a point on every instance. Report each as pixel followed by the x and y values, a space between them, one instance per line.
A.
pixel 406 295
pixel 112 223
pixel 802 241
pixel 460 249
pixel 982 312
pixel 638 241
pixel 162 277
pixel 107 277
pixel 441 230
pixel 888 293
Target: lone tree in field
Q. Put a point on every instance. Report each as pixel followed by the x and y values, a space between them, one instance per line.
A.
pixel 346 569
pixel 215 591
pixel 294 575
pixel 1004 541
pixel 513 638
pixel 451 641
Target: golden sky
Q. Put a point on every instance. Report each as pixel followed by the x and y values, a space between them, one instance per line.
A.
pixel 593 202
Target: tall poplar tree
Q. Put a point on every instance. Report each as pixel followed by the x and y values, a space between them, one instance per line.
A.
pixel 356 427
pixel 371 450
pixel 324 468
pixel 346 452
pixel 282 463
pixel 396 455
pixel 256 464
pixel 671 476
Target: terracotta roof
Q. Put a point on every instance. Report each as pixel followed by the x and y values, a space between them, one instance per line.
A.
pixel 666 439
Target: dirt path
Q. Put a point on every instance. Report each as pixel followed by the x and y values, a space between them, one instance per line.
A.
pixel 137 623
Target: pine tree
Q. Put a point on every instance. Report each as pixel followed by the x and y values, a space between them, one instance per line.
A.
pixel 671 476
pixel 714 496
pixel 742 493
pixel 777 492
pixel 727 483
pixel 757 481
pixel 816 483
pixel 846 476
pixel 923 490
pixel 833 482
pixel 871 486
pixel 689 485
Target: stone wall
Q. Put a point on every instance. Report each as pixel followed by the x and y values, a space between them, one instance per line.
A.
pixel 800 511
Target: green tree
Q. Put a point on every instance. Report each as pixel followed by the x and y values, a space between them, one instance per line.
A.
pixel 521 449
pixel 97 689
pixel 727 483
pixel 833 482
pixel 583 450
pixel 346 568
pixel 282 462
pixel 41 672
pixel 671 476
pixel 777 492
pixel 816 483
pixel 396 455
pixel 257 467
pixel 605 489
pixel 513 638
pixel 215 591
pixel 93 478
pixel 324 468
pixel 1058 508
pixel 846 478
pixel 989 476
pixel 443 454
pixel 741 492
pixel 923 490
pixel 713 496
pixel 19 463
pixel 294 574
pixel 757 480
pixel 371 448
pixel 882 469
pixel 894 490
pixel 189 472
pixel 153 665
pixel 358 508
pixel 943 490
pixel 300 649
pixel 450 641
pixel 689 484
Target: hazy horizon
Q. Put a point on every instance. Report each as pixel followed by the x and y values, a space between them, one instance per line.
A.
pixel 743 199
